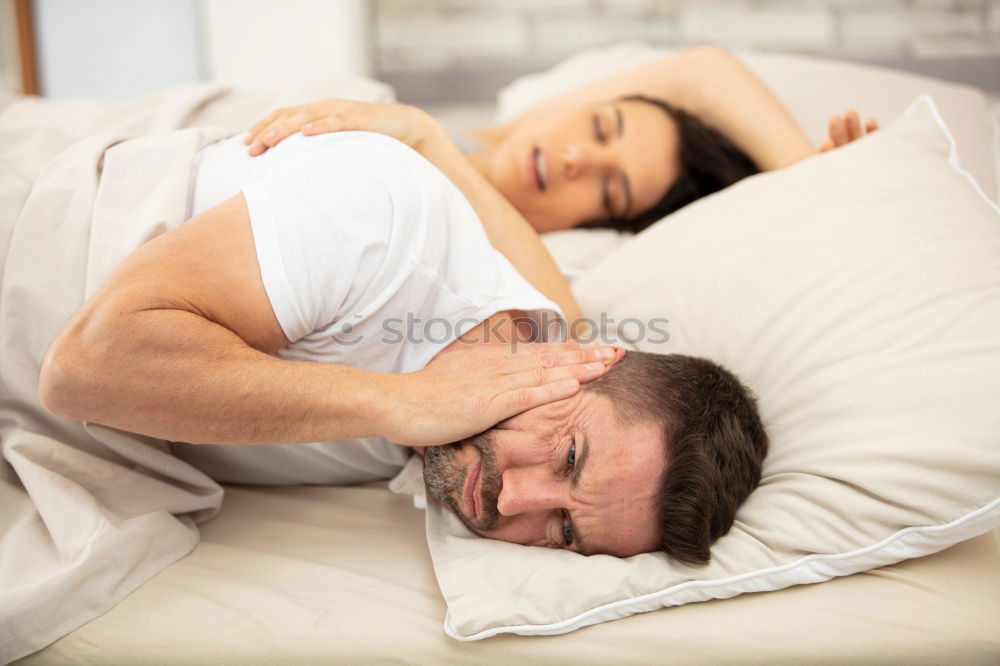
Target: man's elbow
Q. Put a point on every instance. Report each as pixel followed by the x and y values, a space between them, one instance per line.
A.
pixel 59 383
pixel 74 373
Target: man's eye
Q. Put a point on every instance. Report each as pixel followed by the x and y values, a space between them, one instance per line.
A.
pixel 567 531
pixel 598 132
pixel 572 455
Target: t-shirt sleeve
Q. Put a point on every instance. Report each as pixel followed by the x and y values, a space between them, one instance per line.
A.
pixel 321 223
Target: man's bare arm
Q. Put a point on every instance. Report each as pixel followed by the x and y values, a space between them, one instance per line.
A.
pixel 176 345
pixel 151 352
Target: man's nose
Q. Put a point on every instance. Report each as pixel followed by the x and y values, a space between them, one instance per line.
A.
pixel 528 489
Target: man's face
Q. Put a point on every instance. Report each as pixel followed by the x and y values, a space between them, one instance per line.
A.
pixel 565 475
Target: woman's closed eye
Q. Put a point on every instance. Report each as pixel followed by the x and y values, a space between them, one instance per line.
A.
pixel 607 203
pixel 606 197
pixel 599 132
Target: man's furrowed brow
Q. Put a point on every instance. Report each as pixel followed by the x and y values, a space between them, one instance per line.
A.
pixel 583 446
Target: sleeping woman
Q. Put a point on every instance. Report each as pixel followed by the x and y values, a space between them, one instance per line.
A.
pixel 621 152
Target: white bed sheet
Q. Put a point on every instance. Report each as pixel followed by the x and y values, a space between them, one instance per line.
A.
pixel 320 574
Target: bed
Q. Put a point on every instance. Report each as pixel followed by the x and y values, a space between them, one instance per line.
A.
pixel 311 574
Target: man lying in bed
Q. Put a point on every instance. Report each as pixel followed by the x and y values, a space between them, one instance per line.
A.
pixel 339 294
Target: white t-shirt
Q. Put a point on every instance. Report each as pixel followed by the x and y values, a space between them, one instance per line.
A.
pixel 370 257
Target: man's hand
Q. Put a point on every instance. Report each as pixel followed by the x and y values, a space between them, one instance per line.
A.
pixel 460 394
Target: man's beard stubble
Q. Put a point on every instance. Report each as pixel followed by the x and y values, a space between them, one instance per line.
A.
pixel 445 483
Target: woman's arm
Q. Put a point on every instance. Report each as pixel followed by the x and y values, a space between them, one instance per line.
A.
pixel 715 86
pixel 506 228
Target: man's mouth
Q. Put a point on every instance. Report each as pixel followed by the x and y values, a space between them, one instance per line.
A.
pixel 473 501
pixel 468 487
pixel 538 169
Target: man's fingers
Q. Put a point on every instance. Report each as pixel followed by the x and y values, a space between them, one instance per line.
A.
pixel 526 351
pixel 527 348
pixel 582 373
pixel 826 145
pixel 871 125
pixel 563 354
pixel 603 355
pixel 514 402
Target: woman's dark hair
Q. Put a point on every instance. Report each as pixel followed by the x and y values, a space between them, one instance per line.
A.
pixel 708 162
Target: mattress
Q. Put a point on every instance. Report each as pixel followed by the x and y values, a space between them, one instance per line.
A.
pixel 316 574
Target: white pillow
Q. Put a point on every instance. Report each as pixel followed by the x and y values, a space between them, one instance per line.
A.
pixel 576 250
pixel 858 294
pixel 812 88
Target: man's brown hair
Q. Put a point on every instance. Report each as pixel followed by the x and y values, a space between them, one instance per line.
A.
pixel 714 439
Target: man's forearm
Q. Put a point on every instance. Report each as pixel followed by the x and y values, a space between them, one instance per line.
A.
pixel 174 375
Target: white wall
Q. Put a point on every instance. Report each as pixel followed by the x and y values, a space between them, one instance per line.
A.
pixel 115 48
pixel 264 44
pixel 430 34
pixel 10 63
pixel 129 48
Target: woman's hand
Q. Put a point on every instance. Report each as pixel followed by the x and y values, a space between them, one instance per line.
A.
pixel 846 128
pixel 400 121
pixel 505 227
pixel 467 390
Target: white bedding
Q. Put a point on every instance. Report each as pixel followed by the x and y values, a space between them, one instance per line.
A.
pixel 89 512
pixel 314 575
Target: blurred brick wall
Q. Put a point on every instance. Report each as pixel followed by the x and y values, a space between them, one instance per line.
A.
pixel 424 34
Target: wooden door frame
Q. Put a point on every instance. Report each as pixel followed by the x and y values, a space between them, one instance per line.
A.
pixel 26 47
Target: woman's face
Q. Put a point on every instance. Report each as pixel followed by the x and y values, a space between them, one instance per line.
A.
pixel 611 160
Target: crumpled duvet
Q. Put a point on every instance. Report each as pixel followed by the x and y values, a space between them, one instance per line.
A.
pixel 88 513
